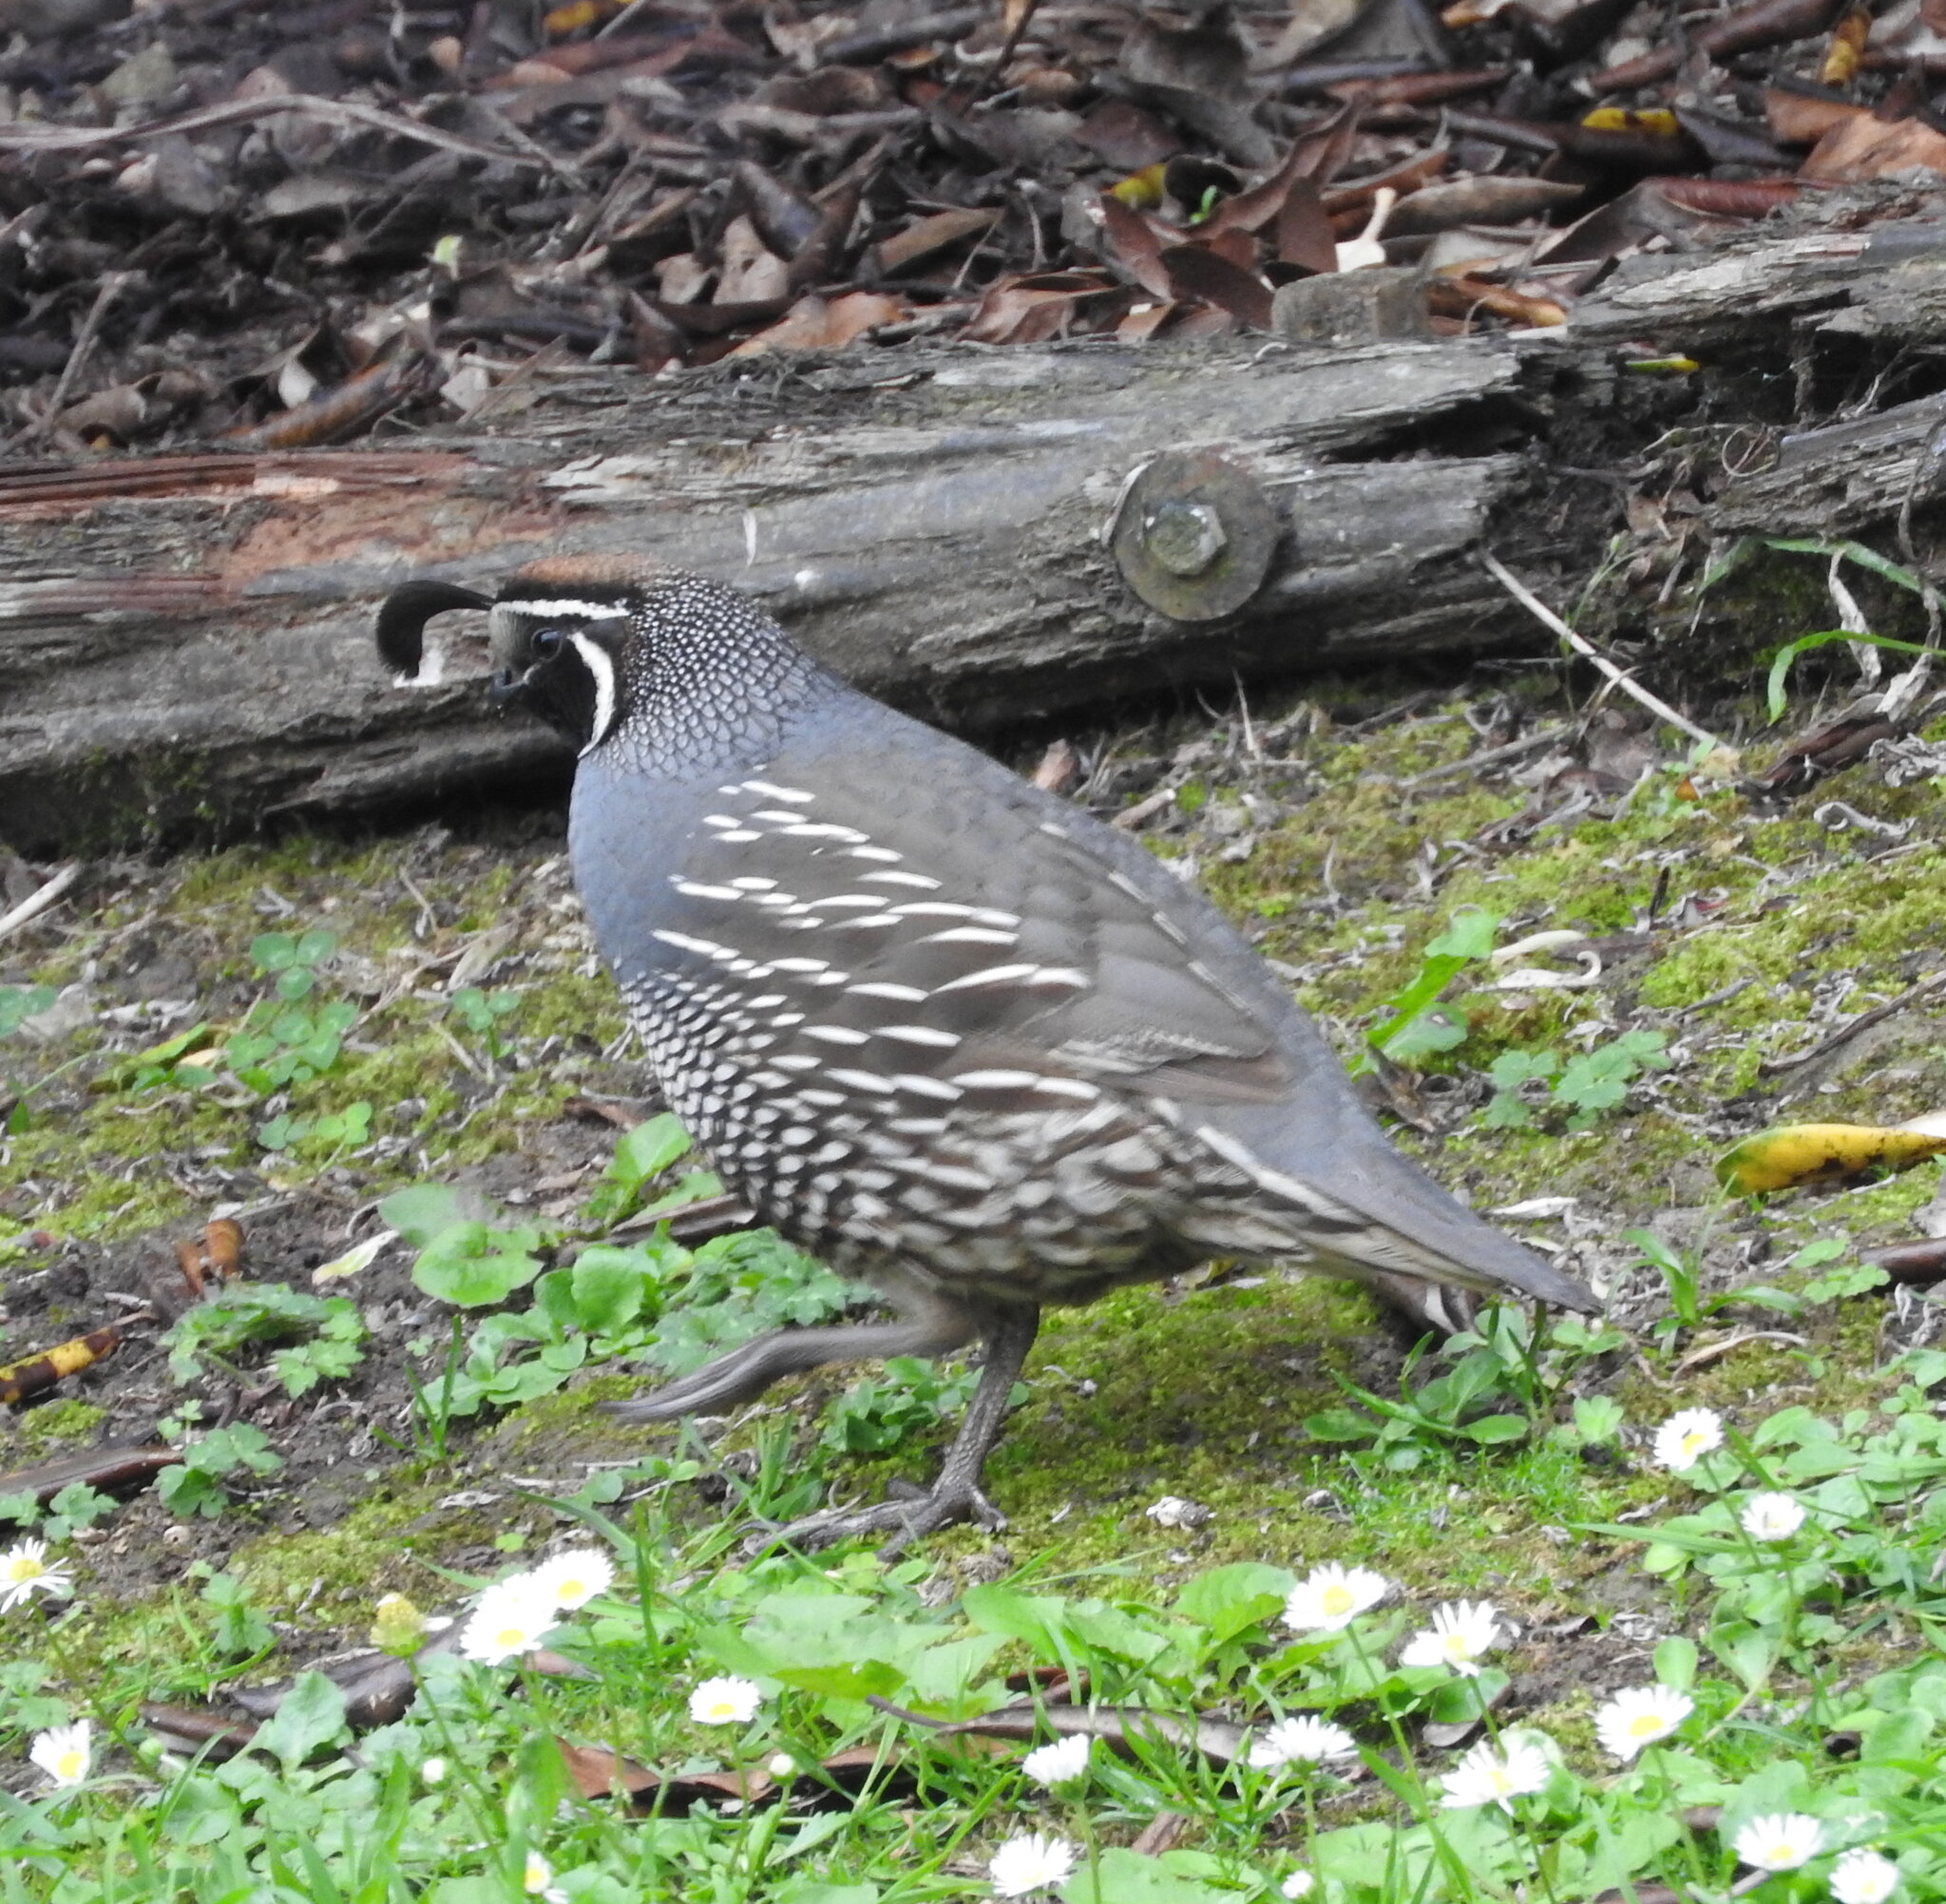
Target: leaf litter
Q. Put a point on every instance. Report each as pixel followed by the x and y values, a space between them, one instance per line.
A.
pixel 273 228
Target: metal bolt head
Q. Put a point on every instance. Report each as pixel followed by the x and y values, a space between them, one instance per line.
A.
pixel 1184 537
pixel 1194 535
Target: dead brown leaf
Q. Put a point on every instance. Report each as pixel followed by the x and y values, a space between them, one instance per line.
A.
pixel 927 234
pixel 1144 320
pixel 1032 310
pixel 1125 137
pixel 1798 119
pixel 751 272
pixel 811 324
pixel 1866 147
pixel 1137 248
pixel 1195 272
pixel 1304 237
pixel 1462 296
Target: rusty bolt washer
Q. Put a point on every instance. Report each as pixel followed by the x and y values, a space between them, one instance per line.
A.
pixel 1193 535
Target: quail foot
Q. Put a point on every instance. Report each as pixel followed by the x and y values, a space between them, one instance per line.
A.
pixel 940 1028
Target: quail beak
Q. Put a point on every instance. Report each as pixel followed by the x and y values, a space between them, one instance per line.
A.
pixel 508 689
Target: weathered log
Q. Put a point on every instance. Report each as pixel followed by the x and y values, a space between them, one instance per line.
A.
pixel 186 640
pixel 190 637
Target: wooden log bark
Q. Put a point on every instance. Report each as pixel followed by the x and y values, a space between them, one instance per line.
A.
pixel 188 640
pixel 184 641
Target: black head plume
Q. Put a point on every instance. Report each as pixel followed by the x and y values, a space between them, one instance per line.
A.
pixel 403 616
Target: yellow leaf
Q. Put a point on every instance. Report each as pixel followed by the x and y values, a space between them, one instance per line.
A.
pixel 1809 1153
pixel 563 21
pixel 1618 119
pixel 1140 191
pixel 1846 46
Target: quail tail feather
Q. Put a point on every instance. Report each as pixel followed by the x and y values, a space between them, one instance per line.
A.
pixel 1384 1216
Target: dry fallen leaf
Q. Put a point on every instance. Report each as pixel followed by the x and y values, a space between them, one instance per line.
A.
pixel 811 324
pixel 1793 1154
pixel 1866 147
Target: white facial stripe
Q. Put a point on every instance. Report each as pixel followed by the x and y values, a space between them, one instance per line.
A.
pixel 580 611
pixel 596 660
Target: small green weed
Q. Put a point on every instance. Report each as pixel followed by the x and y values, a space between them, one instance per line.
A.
pixel 641 1157
pixel 1419 1025
pixel 1681 1273
pixel 285 1043
pixel 1587 1085
pixel 20 1002
pixel 909 1397
pixel 1418 1022
pixel 196 1486
pixel 483 1013
pixel 76 1506
pixel 651 1300
pixel 1498 1389
pixel 322 1336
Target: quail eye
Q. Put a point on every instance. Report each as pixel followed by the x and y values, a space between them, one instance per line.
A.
pixel 546 642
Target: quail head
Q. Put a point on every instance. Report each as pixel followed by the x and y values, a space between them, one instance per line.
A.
pixel 940 1028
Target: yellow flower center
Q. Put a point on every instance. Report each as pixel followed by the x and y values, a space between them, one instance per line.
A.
pixel 1336 1600
pixel 23 1567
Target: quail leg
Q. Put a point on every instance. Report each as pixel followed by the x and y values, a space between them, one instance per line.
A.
pixel 956 1494
pixel 1426 1309
pixel 929 1327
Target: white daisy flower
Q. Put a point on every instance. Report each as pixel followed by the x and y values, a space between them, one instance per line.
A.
pixel 1299 1884
pixel 1057 1763
pixel 508 1621
pixel 1487 1776
pixel 1639 1716
pixel 1301 1742
pixel 1772 1517
pixel 433 1770
pixel 1030 1862
pixel 1862 1876
pixel 1330 1597
pixel 1778 1841
pixel 1685 1438
pixel 65 1753
pixel 537 1880
pixel 1458 1635
pixel 575 1577
pixel 25 1570
pixel 724 1702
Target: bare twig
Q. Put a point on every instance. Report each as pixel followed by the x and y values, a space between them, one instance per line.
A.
pixel 114 284
pixel 37 137
pixel 1924 477
pixel 1022 12
pixel 36 904
pixel 1588 651
pixel 1512 749
pixel 1878 1015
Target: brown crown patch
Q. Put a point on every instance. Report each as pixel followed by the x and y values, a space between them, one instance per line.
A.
pixel 607 570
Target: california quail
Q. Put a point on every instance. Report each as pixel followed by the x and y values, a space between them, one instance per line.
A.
pixel 944 1029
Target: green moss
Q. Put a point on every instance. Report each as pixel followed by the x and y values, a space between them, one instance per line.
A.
pixel 57 1424
pixel 334 1575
